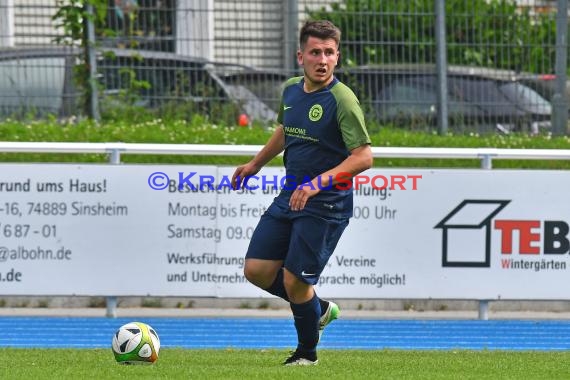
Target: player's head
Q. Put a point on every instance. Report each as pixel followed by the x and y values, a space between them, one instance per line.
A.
pixel 322 29
pixel 318 53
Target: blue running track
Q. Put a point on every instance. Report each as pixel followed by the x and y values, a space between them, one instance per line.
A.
pixel 258 333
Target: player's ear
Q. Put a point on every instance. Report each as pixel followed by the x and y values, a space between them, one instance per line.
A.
pixel 300 57
pixel 338 59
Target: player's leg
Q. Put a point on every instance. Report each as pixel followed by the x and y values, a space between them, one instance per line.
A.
pixel 306 310
pixel 266 274
pixel 330 310
pixel 313 241
pixel 267 250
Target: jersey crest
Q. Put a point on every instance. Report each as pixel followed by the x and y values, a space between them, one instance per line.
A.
pixel 316 112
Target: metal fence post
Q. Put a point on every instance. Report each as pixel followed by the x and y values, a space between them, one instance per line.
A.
pixel 111 301
pixel 291 22
pixel 483 310
pixel 441 66
pixel 7 31
pixel 486 162
pixel 111 307
pixel 115 157
pixel 91 60
pixel 559 100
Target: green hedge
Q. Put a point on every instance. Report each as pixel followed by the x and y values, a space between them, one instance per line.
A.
pixel 197 131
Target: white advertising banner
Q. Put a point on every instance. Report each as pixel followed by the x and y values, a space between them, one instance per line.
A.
pixel 166 230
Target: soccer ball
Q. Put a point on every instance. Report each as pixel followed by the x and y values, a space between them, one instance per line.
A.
pixel 136 343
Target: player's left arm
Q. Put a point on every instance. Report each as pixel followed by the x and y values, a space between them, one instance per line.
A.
pixel 355 136
pixel 359 160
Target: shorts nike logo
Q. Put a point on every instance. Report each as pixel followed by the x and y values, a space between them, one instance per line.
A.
pixel 285 108
pixel 304 274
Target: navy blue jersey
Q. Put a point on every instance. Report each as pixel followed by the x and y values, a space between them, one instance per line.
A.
pixel 321 128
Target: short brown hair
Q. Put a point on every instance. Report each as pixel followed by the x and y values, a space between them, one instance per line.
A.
pixel 322 29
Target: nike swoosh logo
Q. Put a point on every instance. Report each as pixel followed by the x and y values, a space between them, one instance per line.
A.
pixel 304 274
pixel 285 108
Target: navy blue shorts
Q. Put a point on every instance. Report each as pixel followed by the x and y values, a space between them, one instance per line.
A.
pixel 304 241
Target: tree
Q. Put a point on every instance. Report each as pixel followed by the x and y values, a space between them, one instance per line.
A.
pixel 491 33
pixel 71 18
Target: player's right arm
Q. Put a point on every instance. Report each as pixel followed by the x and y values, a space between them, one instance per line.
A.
pixel 272 148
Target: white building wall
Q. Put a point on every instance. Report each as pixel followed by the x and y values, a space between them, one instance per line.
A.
pixel 249 32
pixel 6 23
pixel 195 28
pixel 33 24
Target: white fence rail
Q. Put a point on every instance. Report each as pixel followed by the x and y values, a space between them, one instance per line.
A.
pixel 486 155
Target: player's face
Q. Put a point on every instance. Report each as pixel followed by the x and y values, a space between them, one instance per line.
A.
pixel 318 58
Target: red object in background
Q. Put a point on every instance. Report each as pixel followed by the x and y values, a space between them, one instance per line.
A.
pixel 547 76
pixel 243 120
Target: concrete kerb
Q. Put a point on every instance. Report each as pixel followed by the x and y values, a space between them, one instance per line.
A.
pixel 274 313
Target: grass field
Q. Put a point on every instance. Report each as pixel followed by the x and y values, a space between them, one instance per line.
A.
pixel 265 364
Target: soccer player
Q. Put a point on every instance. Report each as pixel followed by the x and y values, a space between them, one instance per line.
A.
pixel 322 130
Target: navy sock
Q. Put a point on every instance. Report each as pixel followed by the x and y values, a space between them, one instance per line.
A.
pixel 307 317
pixel 324 304
pixel 278 288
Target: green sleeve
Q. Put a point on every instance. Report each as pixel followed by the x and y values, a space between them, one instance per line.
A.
pixel 350 117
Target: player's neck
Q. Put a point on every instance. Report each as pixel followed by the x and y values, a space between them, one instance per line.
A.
pixel 310 86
